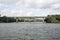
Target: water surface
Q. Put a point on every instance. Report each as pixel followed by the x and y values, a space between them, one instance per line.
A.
pixel 29 31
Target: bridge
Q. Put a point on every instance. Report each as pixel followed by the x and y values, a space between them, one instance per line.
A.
pixel 32 17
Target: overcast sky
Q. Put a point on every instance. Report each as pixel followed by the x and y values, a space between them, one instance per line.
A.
pixel 29 7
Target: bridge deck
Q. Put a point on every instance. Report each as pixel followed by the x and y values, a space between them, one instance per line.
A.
pixel 31 17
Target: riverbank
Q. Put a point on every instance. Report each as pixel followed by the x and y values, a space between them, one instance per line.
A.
pixel 52 19
pixel 48 19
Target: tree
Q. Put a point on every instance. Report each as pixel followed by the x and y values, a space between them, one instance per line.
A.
pixel 52 18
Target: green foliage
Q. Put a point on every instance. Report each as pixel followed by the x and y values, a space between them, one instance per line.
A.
pixel 6 19
pixel 21 19
pixel 53 19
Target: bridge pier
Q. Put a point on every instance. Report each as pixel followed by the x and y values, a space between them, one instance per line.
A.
pixel 16 19
pixel 43 20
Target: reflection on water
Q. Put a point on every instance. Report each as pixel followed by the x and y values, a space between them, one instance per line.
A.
pixel 29 31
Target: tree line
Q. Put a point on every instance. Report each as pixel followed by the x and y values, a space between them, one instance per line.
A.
pixel 5 19
pixel 48 19
pixel 53 19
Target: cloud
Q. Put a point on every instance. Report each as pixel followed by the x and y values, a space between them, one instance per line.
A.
pixel 9 7
pixel 55 6
pixel 7 12
pixel 3 5
pixel 25 3
pixel 8 1
pixel 40 4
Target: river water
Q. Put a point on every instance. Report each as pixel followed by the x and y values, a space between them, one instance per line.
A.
pixel 29 31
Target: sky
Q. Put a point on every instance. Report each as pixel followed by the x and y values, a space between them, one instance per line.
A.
pixel 29 7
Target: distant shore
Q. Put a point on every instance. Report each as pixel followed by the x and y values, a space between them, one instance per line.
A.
pixel 53 19
pixel 48 19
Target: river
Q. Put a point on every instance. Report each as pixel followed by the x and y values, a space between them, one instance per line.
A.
pixel 29 31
